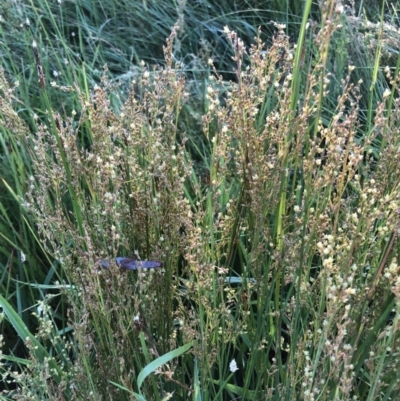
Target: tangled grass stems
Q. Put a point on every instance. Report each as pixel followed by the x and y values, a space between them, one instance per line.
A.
pixel 281 267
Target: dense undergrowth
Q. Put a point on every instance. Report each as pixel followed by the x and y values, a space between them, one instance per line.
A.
pixel 264 176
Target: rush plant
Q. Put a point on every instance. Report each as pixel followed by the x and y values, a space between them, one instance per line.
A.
pixel 280 277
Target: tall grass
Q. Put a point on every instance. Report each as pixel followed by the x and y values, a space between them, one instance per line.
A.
pixel 280 275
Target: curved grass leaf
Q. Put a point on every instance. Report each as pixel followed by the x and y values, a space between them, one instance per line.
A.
pixel 162 360
pixel 139 397
pixel 23 332
pixel 250 394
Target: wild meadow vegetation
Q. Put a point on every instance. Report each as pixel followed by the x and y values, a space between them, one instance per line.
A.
pixel 259 161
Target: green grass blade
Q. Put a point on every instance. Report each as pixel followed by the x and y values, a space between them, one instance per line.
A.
pixel 162 360
pixel 40 352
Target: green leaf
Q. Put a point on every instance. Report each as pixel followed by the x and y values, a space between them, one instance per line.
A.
pixel 23 332
pixel 196 386
pixel 162 360
pixel 139 397
pixel 249 394
pixel 14 359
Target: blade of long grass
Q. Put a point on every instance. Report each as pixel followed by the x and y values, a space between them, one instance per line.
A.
pixel 160 361
pixel 37 348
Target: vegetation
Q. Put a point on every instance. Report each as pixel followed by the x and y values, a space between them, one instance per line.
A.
pixel 261 170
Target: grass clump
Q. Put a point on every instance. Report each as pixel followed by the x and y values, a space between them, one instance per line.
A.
pixel 280 275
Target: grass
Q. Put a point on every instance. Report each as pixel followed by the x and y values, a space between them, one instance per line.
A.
pixel 263 175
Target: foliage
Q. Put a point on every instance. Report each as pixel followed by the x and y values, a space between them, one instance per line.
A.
pixel 273 203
